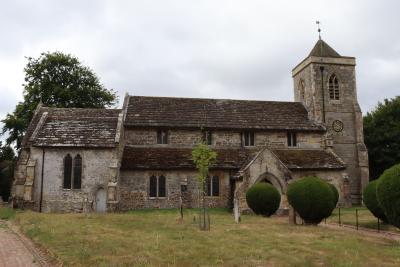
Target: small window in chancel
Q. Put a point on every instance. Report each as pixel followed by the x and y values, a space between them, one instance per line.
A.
pixel 333 86
pixel 67 172
pixel 77 172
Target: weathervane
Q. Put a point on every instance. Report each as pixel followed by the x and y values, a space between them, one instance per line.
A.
pixel 319 29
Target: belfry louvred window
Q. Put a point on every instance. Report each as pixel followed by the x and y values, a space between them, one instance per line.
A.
pixel 333 86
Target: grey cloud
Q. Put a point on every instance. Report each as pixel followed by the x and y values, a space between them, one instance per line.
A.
pixel 223 49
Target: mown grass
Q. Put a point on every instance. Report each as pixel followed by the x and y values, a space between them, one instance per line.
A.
pixel 6 213
pixel 156 238
pixel 365 219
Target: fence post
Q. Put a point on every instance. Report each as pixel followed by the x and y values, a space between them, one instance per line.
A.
pixel 379 225
pixel 340 221
pixel 357 219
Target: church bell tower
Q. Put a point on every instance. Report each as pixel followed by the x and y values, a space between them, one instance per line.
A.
pixel 325 82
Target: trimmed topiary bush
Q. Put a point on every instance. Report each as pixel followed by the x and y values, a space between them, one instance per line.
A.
pixel 388 193
pixel 335 194
pixel 312 198
pixel 263 199
pixel 371 201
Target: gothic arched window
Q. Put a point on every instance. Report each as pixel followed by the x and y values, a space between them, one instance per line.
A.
pixel 77 172
pixel 333 86
pixel 302 90
pixel 67 171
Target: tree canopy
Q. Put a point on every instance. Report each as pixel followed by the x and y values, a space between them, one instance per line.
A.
pixel 57 80
pixel 382 136
pixel 7 157
pixel 203 157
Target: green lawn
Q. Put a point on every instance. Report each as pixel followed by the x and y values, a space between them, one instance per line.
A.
pixel 6 213
pixel 156 238
pixel 365 219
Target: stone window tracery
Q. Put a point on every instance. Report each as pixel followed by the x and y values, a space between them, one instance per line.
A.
pixel 333 86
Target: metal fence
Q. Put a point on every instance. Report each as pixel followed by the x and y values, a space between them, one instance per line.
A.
pixel 356 217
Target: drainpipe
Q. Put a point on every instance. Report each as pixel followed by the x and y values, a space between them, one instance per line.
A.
pixel 41 182
pixel 323 93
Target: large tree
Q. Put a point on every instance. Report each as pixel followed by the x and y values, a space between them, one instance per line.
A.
pixel 57 80
pixel 382 136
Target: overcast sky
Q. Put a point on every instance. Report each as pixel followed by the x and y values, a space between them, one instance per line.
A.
pixel 219 49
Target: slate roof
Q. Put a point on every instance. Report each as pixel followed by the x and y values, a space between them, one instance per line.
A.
pixel 309 159
pixel 73 127
pixel 322 49
pixel 165 158
pixel 179 158
pixel 218 113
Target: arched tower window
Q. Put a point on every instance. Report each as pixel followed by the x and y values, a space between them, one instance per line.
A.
pixel 334 93
pixel 77 172
pixel 302 90
pixel 67 171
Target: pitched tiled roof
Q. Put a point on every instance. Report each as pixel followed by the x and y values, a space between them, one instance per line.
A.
pixel 322 49
pixel 73 127
pixel 309 159
pixel 218 113
pixel 179 158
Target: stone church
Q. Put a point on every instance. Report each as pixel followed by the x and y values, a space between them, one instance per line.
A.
pixel 137 157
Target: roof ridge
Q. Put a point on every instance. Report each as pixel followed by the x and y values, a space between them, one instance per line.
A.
pixel 216 99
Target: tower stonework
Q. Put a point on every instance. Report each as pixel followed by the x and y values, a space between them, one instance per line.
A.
pixel 325 83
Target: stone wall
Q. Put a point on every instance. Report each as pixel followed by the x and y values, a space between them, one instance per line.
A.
pixel 95 175
pixel 221 139
pixel 134 190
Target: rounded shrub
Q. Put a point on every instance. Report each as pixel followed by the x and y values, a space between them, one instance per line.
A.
pixel 335 194
pixel 371 201
pixel 388 193
pixel 263 199
pixel 312 198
